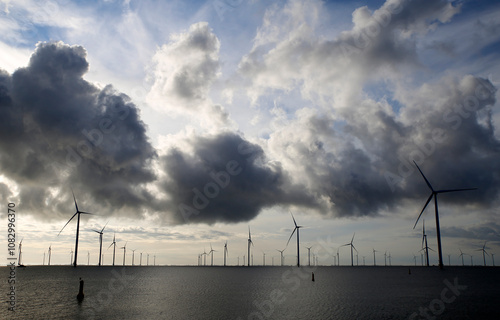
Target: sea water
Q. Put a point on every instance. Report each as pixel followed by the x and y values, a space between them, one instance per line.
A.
pixel 161 292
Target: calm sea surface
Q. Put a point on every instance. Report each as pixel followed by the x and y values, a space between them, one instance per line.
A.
pixel 44 292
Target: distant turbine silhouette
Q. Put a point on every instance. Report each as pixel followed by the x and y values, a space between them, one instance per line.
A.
pixel 424 241
pixel 204 257
pixel 124 252
pixel 88 258
pixel 434 194
pixel 133 255
pixel 338 256
pixel 211 253
pixel 71 257
pixel 389 256
pixel 50 253
pixel 263 258
pixel 78 212
pixel 20 252
pixel 415 259
pixel 484 252
pixel 298 245
pixel 352 247
pixel 385 259
pixel 281 255
pixel 140 261
pixel 374 263
pixel 100 241
pixel 249 243
pixel 493 258
pixel 225 253
pixel 114 247
pixel 461 256
pixel 309 255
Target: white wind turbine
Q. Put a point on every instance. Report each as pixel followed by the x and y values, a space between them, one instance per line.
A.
pixel 100 241
pixel 225 253
pixel 352 247
pixel 250 242
pixel 298 245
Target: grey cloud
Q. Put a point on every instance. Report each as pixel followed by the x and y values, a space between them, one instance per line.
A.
pixel 225 178
pixel 63 131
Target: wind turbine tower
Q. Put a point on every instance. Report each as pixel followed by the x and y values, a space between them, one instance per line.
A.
pixel 249 243
pixel 225 253
pixel 298 243
pixel 114 247
pixel 352 247
pixel 77 213
pixel 100 241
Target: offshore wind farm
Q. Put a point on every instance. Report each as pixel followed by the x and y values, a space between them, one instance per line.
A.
pixel 152 154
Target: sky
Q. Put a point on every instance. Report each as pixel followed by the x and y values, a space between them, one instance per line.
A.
pixel 181 124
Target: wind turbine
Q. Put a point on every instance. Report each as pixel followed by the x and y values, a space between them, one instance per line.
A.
pixel 211 253
pixel 389 256
pixel 133 255
pixel 114 247
pixel 263 258
pixel 424 241
pixel 352 247
pixel 338 257
pixel 78 212
pixel 493 258
pixel 124 252
pixel 385 259
pixel 140 261
pixel 296 228
pixel 249 242
pixel 204 257
pixel 462 256
pixel 225 253
pixel 374 263
pixel 484 252
pixel 415 259
pixel 100 241
pixel 281 255
pixel 309 255
pixel 20 253
pixel 88 257
pixel 434 194
pixel 71 259
pixel 50 252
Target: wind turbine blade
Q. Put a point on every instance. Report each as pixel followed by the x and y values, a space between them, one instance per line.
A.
pixel 76 206
pixel 102 230
pixel 67 223
pixel 353 237
pixel 426 181
pixel 453 190
pixel 290 237
pixel 431 249
pixel 428 200
pixel 293 219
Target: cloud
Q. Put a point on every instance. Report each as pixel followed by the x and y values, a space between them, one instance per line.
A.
pixel 225 178
pixel 61 131
pixel 184 71
pixel 289 54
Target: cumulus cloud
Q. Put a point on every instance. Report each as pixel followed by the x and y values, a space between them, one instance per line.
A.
pixel 225 178
pixel 59 130
pixel 380 45
pixel 184 70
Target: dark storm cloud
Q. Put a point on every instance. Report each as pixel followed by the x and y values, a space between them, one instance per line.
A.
pixel 60 131
pixel 225 178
